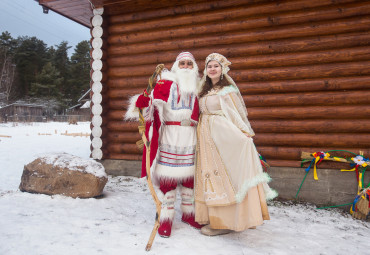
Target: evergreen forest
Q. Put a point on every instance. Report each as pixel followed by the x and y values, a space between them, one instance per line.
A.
pixel 32 72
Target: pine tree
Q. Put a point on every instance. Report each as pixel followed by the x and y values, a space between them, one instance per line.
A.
pixel 62 64
pixel 47 83
pixel 80 71
pixel 30 57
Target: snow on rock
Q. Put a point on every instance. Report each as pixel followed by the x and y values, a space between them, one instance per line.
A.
pixel 65 160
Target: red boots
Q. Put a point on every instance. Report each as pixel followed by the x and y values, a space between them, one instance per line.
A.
pixel 164 229
pixel 190 220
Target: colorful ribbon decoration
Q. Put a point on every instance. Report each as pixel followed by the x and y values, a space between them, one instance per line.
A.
pixel 318 157
pixel 365 195
pixel 353 207
pixel 264 164
pixel 358 163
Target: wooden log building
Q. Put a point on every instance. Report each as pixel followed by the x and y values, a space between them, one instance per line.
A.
pixel 23 112
pixel 303 68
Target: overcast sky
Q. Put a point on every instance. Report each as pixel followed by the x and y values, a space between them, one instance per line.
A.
pixel 25 18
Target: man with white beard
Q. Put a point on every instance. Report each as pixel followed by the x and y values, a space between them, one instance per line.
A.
pixel 171 116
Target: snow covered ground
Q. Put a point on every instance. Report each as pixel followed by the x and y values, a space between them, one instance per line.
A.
pixel 121 221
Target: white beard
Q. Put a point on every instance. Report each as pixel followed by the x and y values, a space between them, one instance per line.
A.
pixel 187 80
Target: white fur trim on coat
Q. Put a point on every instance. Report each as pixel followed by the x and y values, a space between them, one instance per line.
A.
pixel 132 113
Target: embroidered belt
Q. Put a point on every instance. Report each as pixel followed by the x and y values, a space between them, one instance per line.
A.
pixel 216 113
pixel 180 123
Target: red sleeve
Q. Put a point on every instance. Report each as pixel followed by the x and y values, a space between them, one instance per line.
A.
pixel 142 101
pixel 195 114
pixel 162 90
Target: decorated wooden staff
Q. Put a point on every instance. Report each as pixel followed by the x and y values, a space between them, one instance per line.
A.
pixel 141 127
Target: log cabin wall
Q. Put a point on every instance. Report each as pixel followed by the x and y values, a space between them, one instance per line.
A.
pixel 301 66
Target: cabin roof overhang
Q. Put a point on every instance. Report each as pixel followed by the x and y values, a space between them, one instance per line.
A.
pixel 81 12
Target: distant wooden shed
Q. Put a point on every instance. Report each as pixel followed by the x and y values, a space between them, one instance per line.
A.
pixel 302 67
pixel 22 112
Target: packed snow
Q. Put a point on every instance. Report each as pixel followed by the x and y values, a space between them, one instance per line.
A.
pixel 120 222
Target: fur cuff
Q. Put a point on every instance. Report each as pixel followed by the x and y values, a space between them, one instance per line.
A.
pixel 132 113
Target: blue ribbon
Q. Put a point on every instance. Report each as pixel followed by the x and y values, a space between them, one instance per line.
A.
pixel 309 167
pixel 355 202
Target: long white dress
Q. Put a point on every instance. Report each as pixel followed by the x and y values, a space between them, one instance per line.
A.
pixel 231 187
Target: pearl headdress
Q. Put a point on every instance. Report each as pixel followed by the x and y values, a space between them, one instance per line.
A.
pixel 221 60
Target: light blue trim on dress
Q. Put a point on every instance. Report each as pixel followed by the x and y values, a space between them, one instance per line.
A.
pixel 261 178
pixel 226 90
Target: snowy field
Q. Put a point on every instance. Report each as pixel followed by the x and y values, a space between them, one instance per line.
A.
pixel 121 221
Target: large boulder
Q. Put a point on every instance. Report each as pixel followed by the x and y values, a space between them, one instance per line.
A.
pixel 64 174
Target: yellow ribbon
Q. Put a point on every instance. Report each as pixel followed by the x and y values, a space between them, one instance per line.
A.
pixel 317 158
pixel 314 168
pixel 359 180
pixel 338 159
pixel 348 170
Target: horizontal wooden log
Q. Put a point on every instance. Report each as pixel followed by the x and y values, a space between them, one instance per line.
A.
pixel 355 126
pixel 128 82
pixel 125 93
pixel 302 72
pixel 296 86
pixel 310 112
pixel 283 163
pixel 246 12
pixel 136 157
pixel 115 115
pixel 312 43
pixel 196 30
pixel 122 126
pixel 130 71
pixel 123 148
pixel 280 32
pixel 117 104
pixel 349 140
pixel 123 137
pixel 356 97
pixel 294 153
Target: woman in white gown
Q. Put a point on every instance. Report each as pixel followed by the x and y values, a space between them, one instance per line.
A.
pixel 230 186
